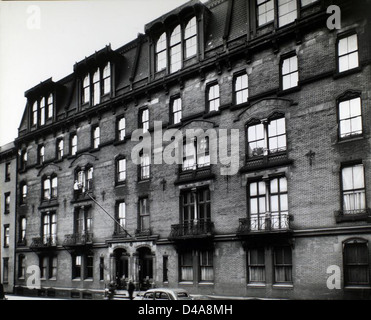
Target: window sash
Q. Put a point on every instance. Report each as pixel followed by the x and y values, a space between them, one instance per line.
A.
pixel 213 97
pixel 348 53
pixel 241 89
pixel 287 12
pixel 265 11
pixel 121 129
pixel 121 168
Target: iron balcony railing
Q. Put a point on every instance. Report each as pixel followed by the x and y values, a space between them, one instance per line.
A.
pixel 44 242
pixel 353 215
pixel 264 223
pixel 194 172
pixel 192 229
pixel 78 239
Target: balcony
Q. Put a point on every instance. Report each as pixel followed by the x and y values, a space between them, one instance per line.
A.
pixel 264 224
pixel 265 159
pixel 44 242
pixel 194 173
pixel 192 230
pixel 78 239
pixel 353 215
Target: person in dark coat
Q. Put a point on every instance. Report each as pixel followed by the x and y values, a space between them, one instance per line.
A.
pixel 131 289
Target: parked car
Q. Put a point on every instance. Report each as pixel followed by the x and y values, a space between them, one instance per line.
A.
pixel 166 294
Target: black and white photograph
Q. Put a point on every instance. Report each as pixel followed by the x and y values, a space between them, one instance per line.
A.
pixel 208 151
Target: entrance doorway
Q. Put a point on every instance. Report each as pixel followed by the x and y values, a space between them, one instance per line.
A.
pixel 145 268
pixel 122 267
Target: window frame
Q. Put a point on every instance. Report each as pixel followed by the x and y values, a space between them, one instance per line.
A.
pixel 73 145
pixel 209 99
pixel 284 58
pixel 120 132
pixel 284 265
pixel 235 91
pixel 258 265
pixel 348 99
pixel 348 244
pixel 355 211
pixel 143 124
pixel 144 215
pixel 7 202
pixel 95 136
pixel 118 172
pixel 257 5
pixel 178 101
pixel 341 37
pixel 6 238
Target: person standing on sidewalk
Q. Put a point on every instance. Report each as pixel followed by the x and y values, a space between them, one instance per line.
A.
pixel 131 289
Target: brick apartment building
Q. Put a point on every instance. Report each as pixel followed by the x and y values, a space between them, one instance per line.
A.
pixel 8 175
pixel 299 95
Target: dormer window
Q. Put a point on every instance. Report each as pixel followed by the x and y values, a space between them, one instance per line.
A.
pixel 96 84
pixel 86 89
pixel 161 53
pixel 42 110
pixel 190 38
pixel 178 44
pixel 50 107
pixel 107 79
pixel 175 50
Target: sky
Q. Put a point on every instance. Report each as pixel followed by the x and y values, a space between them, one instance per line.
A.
pixel 44 39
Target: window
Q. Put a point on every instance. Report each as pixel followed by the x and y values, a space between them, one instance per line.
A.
pixel 49 230
pixel 196 153
pixel 348 53
pixel 86 89
pixel 213 97
pixel 145 165
pixel 161 53
pixel 121 217
pixel 265 11
pixel 283 264
pixel 307 2
pixel 96 88
pixel 350 118
pixel 176 110
pixel 356 263
pixel 23 160
pixel 268 197
pixel 22 230
pixel 121 170
pixel 83 221
pixel 241 88
pixel 73 144
pixel 21 266
pixel 201 212
pixel 144 215
pixel 76 266
pixel 41 158
pixel 60 150
pixel 290 73
pixel 23 192
pixel 175 50
pixel 353 189
pixel 165 268
pixel 190 38
pixel 50 187
pixel 83 180
pixel 266 138
pixel 101 268
pixel 206 265
pixel 89 266
pixel 34 114
pixel 256 265
pixel 287 12
pixel 6 203
pixel 50 107
pixel 6 236
pixel 7 171
pixel 5 270
pixel 121 125
pixel 107 79
pixel 144 119
pixel 96 137
pixel 43 267
pixel 186 266
pixel 42 111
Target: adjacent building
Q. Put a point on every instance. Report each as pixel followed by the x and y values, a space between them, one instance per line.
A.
pixel 295 213
pixel 8 182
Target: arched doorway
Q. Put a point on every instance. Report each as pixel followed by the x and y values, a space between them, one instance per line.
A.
pixel 121 267
pixel 145 268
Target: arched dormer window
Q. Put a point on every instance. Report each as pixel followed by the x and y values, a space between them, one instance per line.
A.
pixel 190 38
pixel 50 107
pixel 34 114
pixel 161 52
pixel 107 79
pixel 96 88
pixel 86 89
pixel 175 50
pixel 42 111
